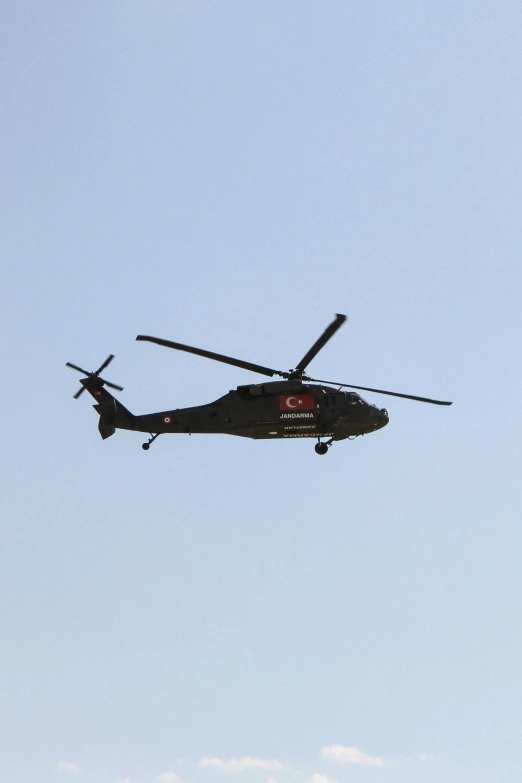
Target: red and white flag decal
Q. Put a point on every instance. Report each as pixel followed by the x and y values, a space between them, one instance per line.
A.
pixel 296 402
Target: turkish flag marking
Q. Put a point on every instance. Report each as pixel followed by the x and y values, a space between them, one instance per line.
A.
pixel 296 402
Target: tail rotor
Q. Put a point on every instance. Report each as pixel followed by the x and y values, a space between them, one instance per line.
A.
pixel 94 375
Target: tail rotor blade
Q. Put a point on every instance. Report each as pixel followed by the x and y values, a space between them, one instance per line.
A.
pixel 112 385
pixel 105 364
pixel 75 367
pixel 94 376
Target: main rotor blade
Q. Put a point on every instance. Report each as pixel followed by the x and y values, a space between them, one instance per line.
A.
pixel 219 357
pixel 321 342
pixel 75 367
pixel 107 361
pixel 381 391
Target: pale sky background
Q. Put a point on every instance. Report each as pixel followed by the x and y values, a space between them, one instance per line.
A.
pixel 230 175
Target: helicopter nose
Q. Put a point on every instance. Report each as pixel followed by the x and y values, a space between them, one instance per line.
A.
pixel 379 417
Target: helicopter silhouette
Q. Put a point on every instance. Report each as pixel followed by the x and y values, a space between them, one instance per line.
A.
pixel 296 407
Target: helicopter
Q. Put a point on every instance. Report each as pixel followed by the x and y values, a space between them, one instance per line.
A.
pixel 296 407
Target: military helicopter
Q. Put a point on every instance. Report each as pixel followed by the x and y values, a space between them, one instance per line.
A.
pixel 296 407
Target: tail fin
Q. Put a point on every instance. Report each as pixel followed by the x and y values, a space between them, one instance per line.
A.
pixel 113 415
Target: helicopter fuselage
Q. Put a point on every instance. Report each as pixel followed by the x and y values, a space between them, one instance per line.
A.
pixel 281 409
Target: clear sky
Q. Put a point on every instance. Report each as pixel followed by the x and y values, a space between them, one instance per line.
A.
pixel 229 175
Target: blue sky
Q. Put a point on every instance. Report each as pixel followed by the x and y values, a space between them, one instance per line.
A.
pixel 230 175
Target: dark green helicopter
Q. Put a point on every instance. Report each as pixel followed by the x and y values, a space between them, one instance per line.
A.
pixel 296 407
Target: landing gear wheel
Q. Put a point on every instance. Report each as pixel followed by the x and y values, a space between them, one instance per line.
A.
pixel 146 446
pixel 321 448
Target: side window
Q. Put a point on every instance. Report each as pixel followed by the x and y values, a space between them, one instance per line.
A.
pixel 336 400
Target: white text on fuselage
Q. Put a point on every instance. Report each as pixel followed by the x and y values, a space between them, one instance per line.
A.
pixel 296 416
pixel 306 434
